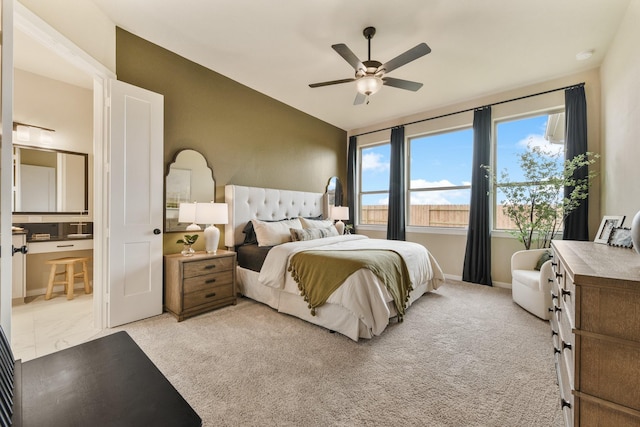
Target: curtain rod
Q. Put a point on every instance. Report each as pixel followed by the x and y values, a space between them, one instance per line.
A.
pixel 475 108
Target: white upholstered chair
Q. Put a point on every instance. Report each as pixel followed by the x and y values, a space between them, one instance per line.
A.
pixel 531 288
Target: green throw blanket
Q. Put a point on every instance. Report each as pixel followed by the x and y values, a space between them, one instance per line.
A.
pixel 319 273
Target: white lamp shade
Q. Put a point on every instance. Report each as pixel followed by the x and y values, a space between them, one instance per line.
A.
pixel 212 213
pixel 340 212
pixel 187 214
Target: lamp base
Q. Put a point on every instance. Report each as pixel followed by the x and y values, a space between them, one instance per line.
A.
pixel 193 227
pixel 340 227
pixel 211 239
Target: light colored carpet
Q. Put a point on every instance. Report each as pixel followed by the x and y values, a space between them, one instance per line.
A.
pixel 465 355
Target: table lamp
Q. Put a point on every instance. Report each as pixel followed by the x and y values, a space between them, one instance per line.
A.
pixel 340 213
pixel 212 213
pixel 187 214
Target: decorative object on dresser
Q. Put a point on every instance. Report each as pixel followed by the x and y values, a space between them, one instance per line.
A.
pixel 339 213
pixel 596 333
pixel 212 214
pixel 608 223
pixel 188 241
pixel 187 214
pixel 620 237
pixel 199 283
pixel 635 232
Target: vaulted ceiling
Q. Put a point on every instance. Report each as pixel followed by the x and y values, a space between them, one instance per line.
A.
pixel 279 47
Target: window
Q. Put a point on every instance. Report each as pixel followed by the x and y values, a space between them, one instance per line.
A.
pixel 514 138
pixel 440 179
pixel 374 183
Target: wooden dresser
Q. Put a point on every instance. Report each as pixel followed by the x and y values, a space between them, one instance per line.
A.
pixel 596 333
pixel 199 283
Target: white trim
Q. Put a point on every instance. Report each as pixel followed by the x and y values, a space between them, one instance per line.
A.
pixel 39 30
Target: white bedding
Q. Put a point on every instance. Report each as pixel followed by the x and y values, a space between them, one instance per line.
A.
pixel 362 294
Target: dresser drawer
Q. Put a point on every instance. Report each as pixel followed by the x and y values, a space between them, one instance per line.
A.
pixel 566 395
pixel 207 266
pixel 210 295
pixel 199 283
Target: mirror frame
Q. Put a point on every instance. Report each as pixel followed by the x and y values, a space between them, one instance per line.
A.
pixel 86 181
pixel 168 171
pixel 338 194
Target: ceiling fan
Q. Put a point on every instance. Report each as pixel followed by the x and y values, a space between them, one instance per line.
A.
pixel 371 75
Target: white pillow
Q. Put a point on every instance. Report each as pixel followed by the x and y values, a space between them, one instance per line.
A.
pixel 315 223
pixel 274 233
pixel 298 235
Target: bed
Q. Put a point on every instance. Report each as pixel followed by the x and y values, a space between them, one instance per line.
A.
pixel 361 307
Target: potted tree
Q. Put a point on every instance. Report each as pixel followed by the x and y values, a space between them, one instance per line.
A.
pixel 537 205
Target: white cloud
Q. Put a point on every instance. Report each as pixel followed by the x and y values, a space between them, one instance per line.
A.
pixel 372 161
pixel 421 183
pixel 535 140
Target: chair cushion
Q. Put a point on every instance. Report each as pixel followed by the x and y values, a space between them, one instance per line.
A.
pixel 546 256
pixel 530 278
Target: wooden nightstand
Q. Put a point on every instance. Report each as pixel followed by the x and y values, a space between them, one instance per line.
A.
pixel 199 283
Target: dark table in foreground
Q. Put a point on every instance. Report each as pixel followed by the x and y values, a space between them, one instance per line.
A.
pixel 105 382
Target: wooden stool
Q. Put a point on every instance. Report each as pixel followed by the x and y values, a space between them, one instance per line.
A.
pixel 69 275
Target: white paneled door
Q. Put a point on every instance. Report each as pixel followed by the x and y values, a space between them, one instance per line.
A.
pixel 136 204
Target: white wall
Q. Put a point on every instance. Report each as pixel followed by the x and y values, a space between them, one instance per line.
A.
pixel 621 119
pixel 83 23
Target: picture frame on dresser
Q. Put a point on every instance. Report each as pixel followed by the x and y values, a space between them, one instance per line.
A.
pixel 608 223
pixel 620 237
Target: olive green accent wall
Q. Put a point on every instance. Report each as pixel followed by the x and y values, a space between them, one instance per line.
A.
pixel 247 137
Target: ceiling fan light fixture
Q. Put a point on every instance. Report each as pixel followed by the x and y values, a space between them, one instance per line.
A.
pixel 368 85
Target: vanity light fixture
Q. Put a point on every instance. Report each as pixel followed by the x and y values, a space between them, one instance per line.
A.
pixel 340 213
pixel 32 134
pixel 212 214
pixel 187 214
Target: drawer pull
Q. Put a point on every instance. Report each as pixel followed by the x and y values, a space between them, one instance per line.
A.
pixel 558 275
pixel 566 345
pixel 564 292
pixel 564 403
pixel 555 309
pixel 64 246
pixel 553 296
pixel 553 333
pixel 554 264
pixel 210 281
pixel 212 294
pixel 209 267
pixel 557 350
pixel 550 280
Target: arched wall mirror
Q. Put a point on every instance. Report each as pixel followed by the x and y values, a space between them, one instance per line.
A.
pixel 189 179
pixel 334 191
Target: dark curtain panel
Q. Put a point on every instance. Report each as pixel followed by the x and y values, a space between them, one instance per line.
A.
pixel 338 195
pixel 351 178
pixel 396 222
pixel 477 258
pixel 576 225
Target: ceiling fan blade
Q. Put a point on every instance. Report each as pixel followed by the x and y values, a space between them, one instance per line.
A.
pixel 332 82
pixel 360 98
pixel 401 84
pixel 414 53
pixel 348 56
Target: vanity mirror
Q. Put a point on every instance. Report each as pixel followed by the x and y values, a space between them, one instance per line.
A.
pixel 189 179
pixel 50 181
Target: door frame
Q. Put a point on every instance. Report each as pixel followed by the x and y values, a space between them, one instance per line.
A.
pixel 36 28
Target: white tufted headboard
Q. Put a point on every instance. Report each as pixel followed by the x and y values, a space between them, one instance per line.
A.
pixel 247 203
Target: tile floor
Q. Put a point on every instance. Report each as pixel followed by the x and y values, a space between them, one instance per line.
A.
pixel 41 327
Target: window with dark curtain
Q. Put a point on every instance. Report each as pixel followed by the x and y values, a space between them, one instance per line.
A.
pixel 396 223
pixel 477 259
pixel 576 225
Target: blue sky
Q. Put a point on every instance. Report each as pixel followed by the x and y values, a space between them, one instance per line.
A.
pixel 441 160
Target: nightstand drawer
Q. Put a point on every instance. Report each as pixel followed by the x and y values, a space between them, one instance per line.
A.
pixel 208 296
pixel 199 283
pixel 207 266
